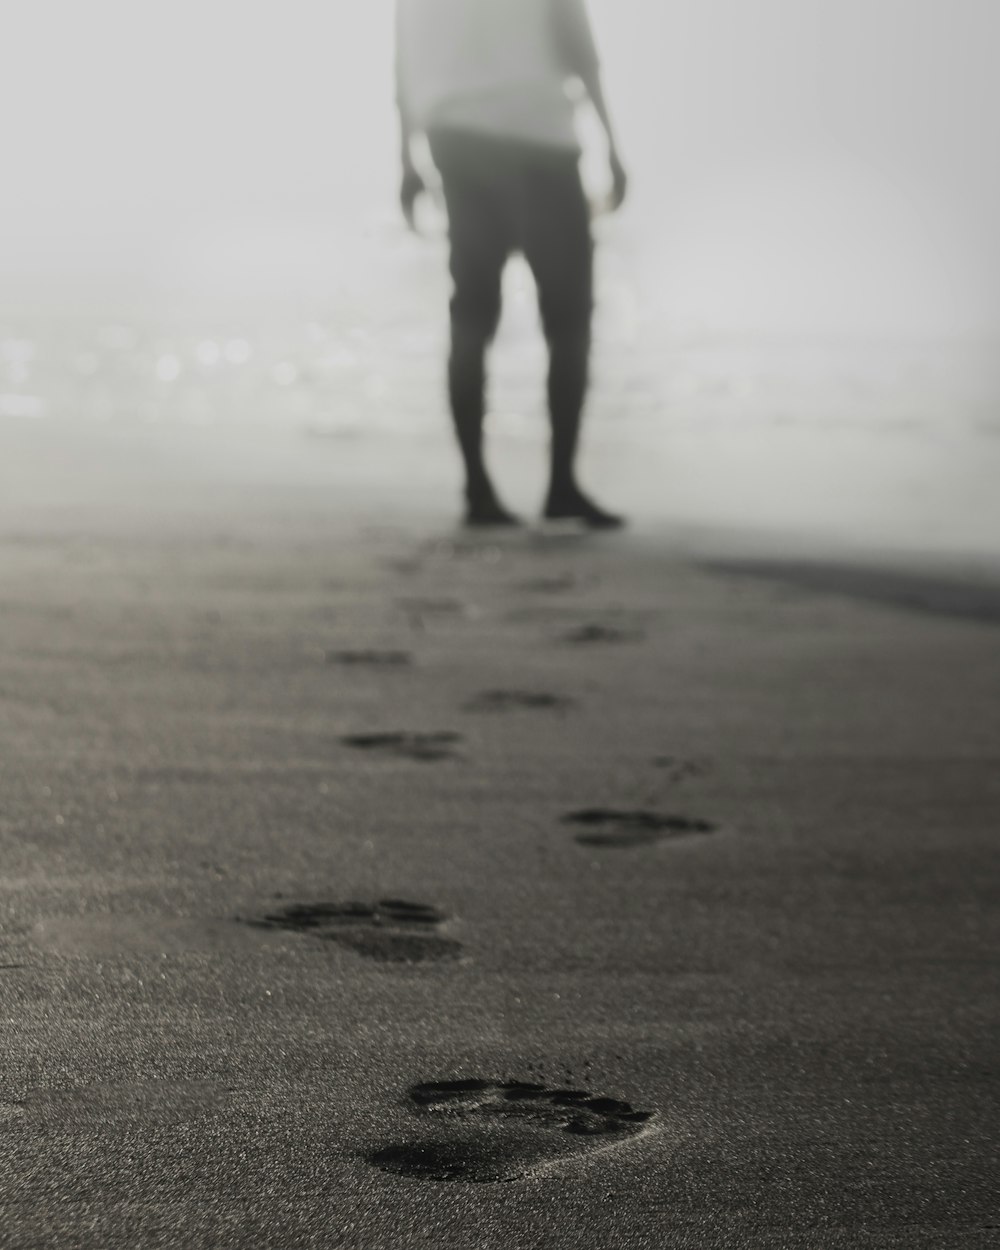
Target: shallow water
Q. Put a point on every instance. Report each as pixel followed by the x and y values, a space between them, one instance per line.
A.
pixel 345 329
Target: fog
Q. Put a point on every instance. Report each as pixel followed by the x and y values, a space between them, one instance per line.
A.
pixel 798 165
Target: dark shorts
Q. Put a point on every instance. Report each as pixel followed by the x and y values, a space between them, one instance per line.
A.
pixel 505 197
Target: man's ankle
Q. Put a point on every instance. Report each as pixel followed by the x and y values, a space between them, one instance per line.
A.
pixel 568 502
pixel 563 486
pixel 479 488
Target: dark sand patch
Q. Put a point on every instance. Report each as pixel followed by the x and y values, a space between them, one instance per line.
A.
pixel 424 747
pixel 679 769
pixel 370 658
pixel 513 700
pixel 909 591
pixel 391 930
pixel 588 635
pixel 488 1131
pixel 615 828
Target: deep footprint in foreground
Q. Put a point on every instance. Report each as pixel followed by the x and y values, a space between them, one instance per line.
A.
pixel 425 747
pixel 609 827
pixel 390 931
pixel 486 1131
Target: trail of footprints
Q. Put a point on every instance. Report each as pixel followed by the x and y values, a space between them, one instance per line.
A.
pixel 475 1129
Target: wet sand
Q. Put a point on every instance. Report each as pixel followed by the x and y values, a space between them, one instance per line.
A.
pixel 370 886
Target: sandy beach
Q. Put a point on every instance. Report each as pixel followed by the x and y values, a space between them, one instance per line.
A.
pixel 370 884
pixel 367 885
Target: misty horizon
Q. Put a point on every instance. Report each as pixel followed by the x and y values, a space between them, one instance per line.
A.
pixel 797 168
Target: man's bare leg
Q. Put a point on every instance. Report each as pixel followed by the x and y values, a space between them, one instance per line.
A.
pixel 466 389
pixel 569 359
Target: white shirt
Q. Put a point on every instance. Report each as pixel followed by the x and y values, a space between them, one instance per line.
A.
pixel 498 67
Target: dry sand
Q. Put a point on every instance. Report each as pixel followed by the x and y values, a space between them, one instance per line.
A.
pixel 771 921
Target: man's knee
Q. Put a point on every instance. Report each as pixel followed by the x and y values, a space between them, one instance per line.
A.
pixel 567 305
pixel 475 319
pixel 567 321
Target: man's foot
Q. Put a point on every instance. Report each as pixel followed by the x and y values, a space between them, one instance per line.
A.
pixel 485 511
pixel 572 504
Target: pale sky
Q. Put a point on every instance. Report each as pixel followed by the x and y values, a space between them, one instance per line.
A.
pixel 830 164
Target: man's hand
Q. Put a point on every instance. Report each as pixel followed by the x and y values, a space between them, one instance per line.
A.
pixel 410 188
pixel 619 181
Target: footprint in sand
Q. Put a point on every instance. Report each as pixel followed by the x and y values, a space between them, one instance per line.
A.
pixel 425 747
pixel 421 611
pixel 507 700
pixel 479 1130
pixel 587 635
pixel 390 931
pixel 679 769
pixel 609 827
pixel 374 659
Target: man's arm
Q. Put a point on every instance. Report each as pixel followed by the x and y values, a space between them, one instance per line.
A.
pixel 412 183
pixel 578 51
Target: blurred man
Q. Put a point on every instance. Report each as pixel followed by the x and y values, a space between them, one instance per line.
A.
pixel 488 82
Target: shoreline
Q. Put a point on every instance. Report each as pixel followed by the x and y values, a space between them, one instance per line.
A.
pixel 105 478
